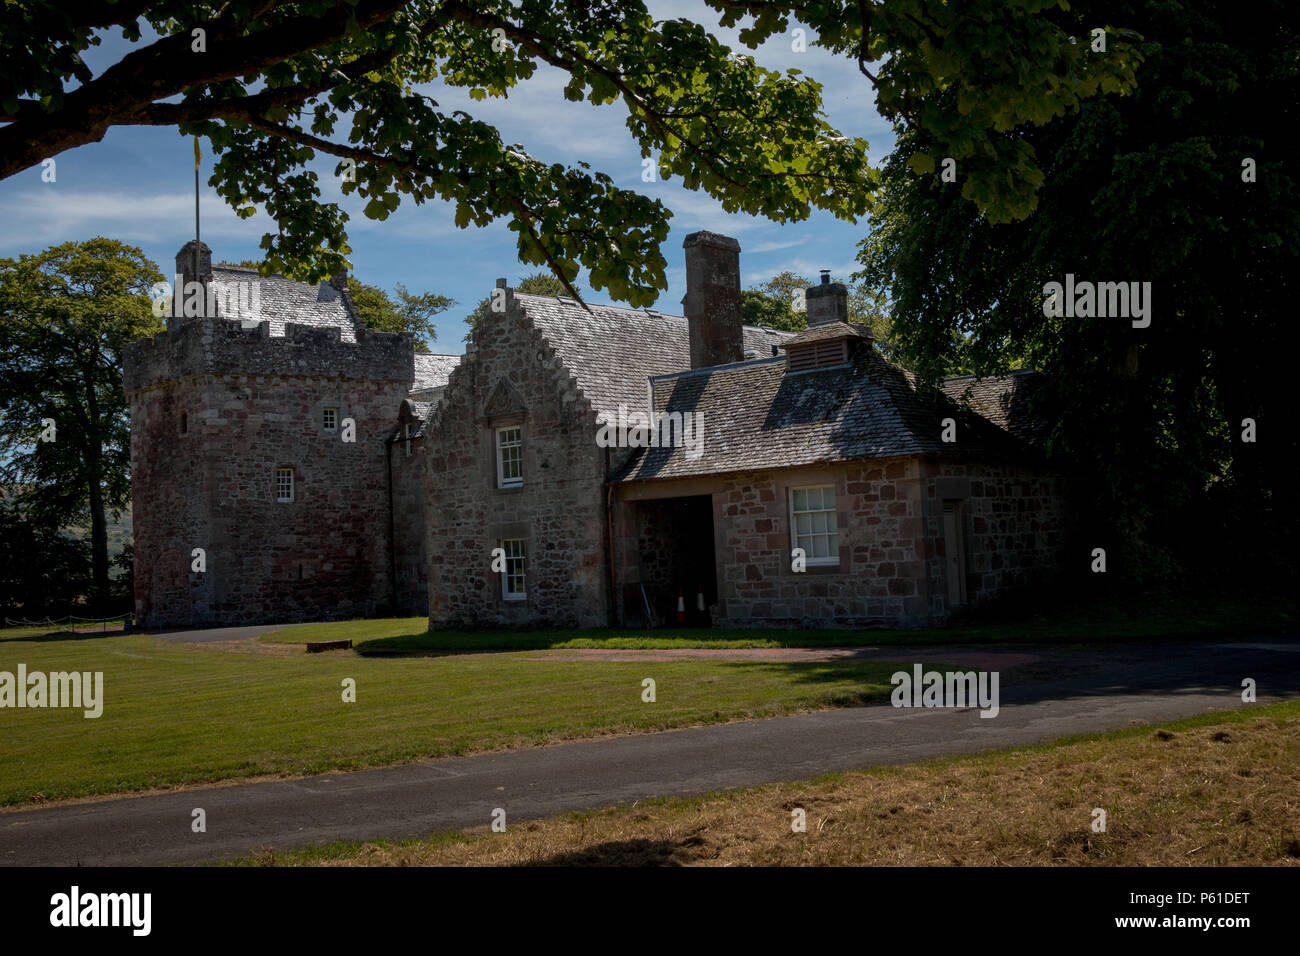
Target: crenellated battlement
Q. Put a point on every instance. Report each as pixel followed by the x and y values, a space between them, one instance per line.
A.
pixel 206 346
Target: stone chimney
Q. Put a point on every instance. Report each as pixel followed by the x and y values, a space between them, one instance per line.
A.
pixel 340 279
pixel 712 302
pixel 828 302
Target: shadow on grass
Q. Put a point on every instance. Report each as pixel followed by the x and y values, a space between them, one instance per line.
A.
pixel 639 852
pixel 58 636
pixel 1150 669
pixel 1114 623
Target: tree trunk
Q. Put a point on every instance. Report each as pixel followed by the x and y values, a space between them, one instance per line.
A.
pixel 99 588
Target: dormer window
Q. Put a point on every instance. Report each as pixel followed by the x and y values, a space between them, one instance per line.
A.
pixel 825 346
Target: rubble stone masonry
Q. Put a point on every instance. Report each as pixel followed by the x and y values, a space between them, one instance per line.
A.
pixel 216 409
pixel 891 568
pixel 510 376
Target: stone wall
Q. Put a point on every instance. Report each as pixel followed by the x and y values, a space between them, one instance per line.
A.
pixel 509 376
pixel 1012 520
pixel 323 555
pixel 170 513
pixel 225 345
pixel 891 569
pixel 409 530
pixel 879 580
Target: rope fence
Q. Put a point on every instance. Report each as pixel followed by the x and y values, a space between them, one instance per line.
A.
pixel 58 622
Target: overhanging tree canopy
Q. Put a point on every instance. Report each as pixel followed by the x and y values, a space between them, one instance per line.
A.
pixel 274 85
pixel 1190 185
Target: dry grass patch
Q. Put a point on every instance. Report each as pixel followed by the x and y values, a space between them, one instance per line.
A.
pixel 1217 790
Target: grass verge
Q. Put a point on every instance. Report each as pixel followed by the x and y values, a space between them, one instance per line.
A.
pixel 177 714
pixel 1219 789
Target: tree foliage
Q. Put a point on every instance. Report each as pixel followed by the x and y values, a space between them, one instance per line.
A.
pixel 44 569
pixel 275 86
pixel 778 303
pixel 66 315
pixel 411 313
pixel 1150 187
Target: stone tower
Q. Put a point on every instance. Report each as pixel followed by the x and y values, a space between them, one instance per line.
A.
pixel 258 446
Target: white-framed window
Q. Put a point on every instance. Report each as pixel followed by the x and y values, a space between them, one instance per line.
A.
pixel 330 419
pixel 512 578
pixel 284 484
pixel 812 524
pixel 510 457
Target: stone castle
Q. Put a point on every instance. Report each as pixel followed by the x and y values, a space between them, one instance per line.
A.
pixel 575 467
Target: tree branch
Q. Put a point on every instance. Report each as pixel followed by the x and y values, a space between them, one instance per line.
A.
pixel 168 67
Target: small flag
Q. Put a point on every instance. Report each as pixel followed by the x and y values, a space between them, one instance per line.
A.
pixel 197 154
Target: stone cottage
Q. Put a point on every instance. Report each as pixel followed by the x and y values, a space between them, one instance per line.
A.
pixel 903 505
pixel 577 466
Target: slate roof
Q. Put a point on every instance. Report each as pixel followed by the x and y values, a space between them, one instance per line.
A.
pixel 431 374
pixel 281 300
pixel 1003 400
pixel 828 331
pixel 613 351
pixel 417 412
pixel 758 417
pixel 432 371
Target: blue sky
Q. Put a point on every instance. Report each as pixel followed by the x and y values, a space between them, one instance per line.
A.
pixel 137 185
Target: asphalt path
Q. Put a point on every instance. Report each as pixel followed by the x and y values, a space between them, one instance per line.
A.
pixel 1107 688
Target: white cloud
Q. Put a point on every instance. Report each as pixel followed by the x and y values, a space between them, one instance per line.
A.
pixel 55 215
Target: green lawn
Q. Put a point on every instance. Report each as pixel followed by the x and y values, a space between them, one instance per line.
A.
pixel 1149 620
pixel 183 714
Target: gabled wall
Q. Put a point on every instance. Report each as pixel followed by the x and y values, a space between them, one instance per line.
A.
pixel 559 511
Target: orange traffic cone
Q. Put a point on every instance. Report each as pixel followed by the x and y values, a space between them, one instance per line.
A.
pixel 681 606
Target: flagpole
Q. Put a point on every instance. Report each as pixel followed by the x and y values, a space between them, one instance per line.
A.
pixel 197 277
